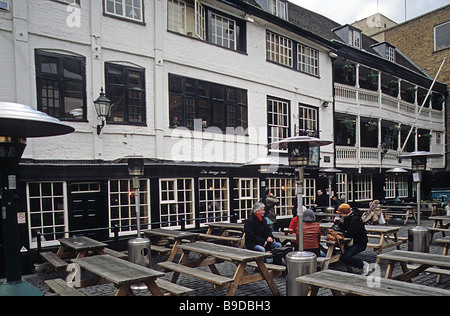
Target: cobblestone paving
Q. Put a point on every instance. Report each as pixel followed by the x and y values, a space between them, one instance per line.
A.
pixel 202 288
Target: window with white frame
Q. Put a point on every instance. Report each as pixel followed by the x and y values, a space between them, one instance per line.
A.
pixel 176 16
pixel 122 204
pixel 390 53
pixel 355 38
pixel 214 199
pixel 129 9
pixel 246 193
pixel 278 8
pixel 223 31
pixel 363 187
pixel 279 49
pixel 284 190
pixel 200 21
pixel 277 119
pixel 47 212
pixel 402 186
pixel 442 36
pixel 177 202
pixel 341 187
pixel 390 186
pixel 308 60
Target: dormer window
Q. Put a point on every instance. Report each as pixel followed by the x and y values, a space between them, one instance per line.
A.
pixel 355 38
pixel 350 35
pixel 385 50
pixel 276 7
pixel 390 53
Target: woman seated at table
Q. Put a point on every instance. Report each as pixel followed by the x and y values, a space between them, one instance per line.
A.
pixel 258 235
pixel 311 231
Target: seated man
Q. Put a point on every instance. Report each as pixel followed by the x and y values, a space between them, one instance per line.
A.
pixel 258 235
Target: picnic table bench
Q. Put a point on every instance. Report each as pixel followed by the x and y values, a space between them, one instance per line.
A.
pixel 232 233
pixel 60 287
pixel 406 211
pixel 211 254
pixel 342 282
pixel 163 239
pixel 122 273
pixel 56 262
pixel 439 226
pixel 422 262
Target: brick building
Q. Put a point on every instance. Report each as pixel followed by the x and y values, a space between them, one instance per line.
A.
pixel 428 47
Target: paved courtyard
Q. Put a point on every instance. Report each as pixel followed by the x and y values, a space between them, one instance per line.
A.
pixel 202 288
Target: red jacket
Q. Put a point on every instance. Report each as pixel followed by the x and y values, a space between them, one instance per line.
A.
pixel 311 233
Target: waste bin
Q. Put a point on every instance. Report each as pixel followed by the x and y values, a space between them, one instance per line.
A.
pixel 299 263
pixel 139 252
pixel 419 239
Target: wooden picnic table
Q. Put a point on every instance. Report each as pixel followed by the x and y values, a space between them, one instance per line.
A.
pixel 439 226
pixel 406 211
pixel 423 260
pixel 387 237
pixel 232 233
pixel 341 282
pixel 122 273
pixel 211 254
pixel 178 235
pixel 79 246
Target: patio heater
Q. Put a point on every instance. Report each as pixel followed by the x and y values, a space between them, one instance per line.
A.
pixel 419 237
pixel 301 262
pixel 17 123
pixel 139 249
pixel 330 173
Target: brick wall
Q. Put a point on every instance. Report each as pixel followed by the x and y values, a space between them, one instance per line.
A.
pixel 415 38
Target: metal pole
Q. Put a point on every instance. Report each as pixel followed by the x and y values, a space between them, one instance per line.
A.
pixel 300 207
pixel 423 103
pixel 418 197
pixel 136 199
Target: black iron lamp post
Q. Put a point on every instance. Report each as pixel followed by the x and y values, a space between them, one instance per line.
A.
pixel 418 237
pixel 103 109
pixel 17 123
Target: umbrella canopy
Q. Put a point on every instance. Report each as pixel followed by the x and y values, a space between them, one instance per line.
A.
pixel 312 141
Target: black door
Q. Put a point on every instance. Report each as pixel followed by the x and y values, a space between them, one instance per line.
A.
pixel 87 211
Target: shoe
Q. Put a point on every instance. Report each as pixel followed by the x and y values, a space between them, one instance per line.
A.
pixel 366 268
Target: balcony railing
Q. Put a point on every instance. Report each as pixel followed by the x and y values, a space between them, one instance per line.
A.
pixel 377 99
pixel 360 157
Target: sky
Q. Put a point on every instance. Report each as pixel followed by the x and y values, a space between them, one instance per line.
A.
pixel 349 11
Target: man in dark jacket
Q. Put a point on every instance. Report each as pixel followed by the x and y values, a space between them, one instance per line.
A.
pixel 353 228
pixel 258 235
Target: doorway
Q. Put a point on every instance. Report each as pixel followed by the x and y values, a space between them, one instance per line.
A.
pixel 87 210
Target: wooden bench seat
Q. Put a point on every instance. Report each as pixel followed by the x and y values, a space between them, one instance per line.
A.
pixel 216 237
pixel 161 250
pixel 117 254
pixel 172 288
pixel 200 274
pixel 274 267
pixel 54 260
pixel 341 282
pixel 60 287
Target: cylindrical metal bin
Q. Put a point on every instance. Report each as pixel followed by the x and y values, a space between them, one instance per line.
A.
pixel 299 263
pixel 419 239
pixel 139 251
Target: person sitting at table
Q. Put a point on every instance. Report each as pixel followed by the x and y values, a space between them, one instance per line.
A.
pixel 353 227
pixel 258 235
pixel 311 231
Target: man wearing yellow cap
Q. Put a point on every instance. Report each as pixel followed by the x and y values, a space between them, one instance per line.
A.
pixel 353 227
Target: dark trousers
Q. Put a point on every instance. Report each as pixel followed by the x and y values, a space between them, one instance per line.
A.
pixel 348 259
